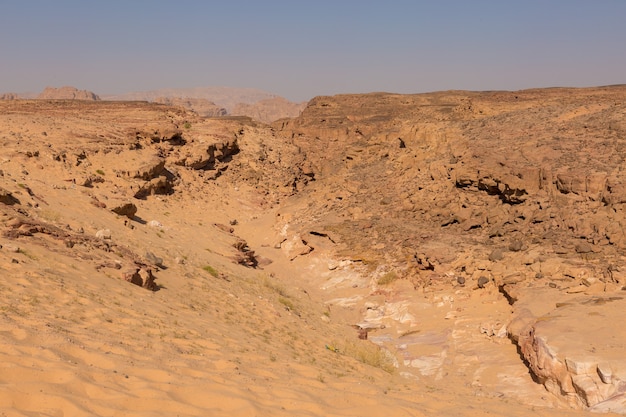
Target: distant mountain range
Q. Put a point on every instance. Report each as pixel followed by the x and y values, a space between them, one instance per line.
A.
pixel 227 97
pixel 206 101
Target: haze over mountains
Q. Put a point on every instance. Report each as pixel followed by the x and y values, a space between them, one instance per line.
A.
pixel 206 101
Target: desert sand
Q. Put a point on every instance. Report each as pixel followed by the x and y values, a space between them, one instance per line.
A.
pixel 452 253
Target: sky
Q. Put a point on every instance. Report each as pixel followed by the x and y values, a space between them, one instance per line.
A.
pixel 303 48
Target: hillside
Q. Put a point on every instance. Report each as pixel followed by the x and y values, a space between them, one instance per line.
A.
pixel 452 253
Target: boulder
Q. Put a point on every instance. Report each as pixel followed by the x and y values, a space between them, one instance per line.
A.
pixel 140 276
pixel 160 185
pixel 126 209
pixel 150 169
pixel 153 259
pixel 6 197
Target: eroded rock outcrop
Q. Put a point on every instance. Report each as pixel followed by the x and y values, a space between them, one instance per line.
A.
pixel 67 93
pixel 572 346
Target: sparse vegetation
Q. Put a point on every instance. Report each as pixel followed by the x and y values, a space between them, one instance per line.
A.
pixel 388 278
pixel 369 354
pixel 99 171
pixel 274 286
pixel 50 215
pixel 287 303
pixel 211 270
pixel 27 254
pixel 187 125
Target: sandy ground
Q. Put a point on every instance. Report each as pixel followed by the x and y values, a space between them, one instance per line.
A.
pixel 75 341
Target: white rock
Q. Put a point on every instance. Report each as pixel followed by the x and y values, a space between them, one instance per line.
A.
pixel 605 372
pixel 103 234
pixel 10 248
pixel 580 367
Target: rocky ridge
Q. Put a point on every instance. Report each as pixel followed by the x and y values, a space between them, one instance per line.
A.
pixel 517 191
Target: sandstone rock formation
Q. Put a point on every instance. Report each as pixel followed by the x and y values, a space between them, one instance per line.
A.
pixel 519 188
pixel 66 93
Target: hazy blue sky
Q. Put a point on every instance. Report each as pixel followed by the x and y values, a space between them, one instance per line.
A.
pixel 299 49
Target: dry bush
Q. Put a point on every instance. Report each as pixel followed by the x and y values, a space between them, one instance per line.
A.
pixel 369 354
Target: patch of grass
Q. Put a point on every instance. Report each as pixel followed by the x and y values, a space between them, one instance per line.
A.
pixel 287 303
pixel 187 125
pixel 28 255
pixel 99 171
pixel 34 300
pixel 388 278
pixel 370 354
pixel 274 286
pixel 50 215
pixel 211 270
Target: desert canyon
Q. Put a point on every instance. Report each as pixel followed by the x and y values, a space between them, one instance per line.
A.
pixel 452 253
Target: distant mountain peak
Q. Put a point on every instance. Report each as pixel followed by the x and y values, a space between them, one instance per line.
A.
pixel 67 93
